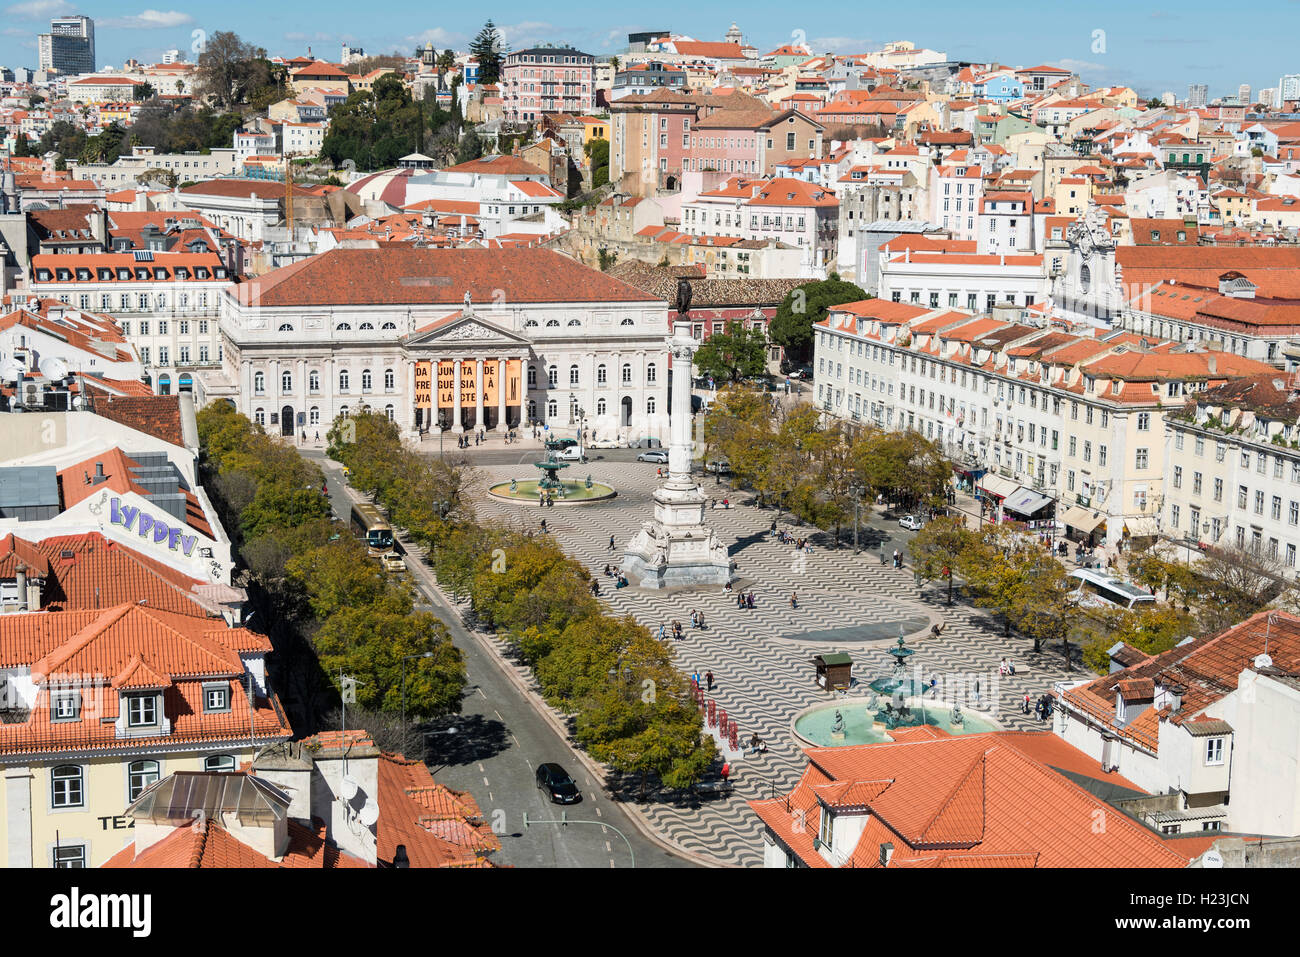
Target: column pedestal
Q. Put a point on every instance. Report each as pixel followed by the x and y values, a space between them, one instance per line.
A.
pixel 455 409
pixel 676 548
pixel 502 426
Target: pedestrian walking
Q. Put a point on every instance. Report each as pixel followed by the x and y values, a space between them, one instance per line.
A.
pixel 934 685
pixel 611 543
pixel 701 621
pixel 794 600
pixel 726 772
pixel 750 600
pixel 896 564
pixel 708 677
pixel 695 678
pixel 1024 708
pixel 662 628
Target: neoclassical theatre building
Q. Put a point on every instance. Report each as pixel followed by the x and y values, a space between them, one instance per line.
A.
pixel 462 338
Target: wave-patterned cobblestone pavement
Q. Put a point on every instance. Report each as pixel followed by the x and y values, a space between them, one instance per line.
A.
pixel 763 671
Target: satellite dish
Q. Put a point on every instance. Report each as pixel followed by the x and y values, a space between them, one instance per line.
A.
pixel 12 370
pixel 350 789
pixel 369 813
pixel 53 368
pixel 1263 661
pixel 1212 858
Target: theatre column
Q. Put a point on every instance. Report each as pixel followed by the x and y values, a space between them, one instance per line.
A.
pixel 455 413
pixel 501 396
pixel 478 394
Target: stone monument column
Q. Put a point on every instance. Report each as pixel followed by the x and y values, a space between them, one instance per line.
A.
pixel 677 548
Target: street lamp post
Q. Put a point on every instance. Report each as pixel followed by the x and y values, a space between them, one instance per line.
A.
pixel 427 654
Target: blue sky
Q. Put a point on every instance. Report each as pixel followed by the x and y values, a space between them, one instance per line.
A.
pixel 1152 46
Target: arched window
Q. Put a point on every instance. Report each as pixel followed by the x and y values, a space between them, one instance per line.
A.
pixel 140 774
pixel 388 326
pixel 627 322
pixel 313 381
pixel 259 416
pixel 286 327
pixel 532 377
pixel 313 417
pixel 650 405
pixel 651 373
pixel 553 376
pixel 390 380
pixel 259 383
pixel 343 411
pixel 343 327
pixel 532 410
pixel 219 762
pixel 286 381
pixel 600 374
pixel 66 786
pixel 573 375
pixel 627 372
pixel 367 327
pixel 366 380
pixel 388 411
pixel 343 380
pixel 552 409
pixel 530 323
pixel 600 406
pixel 575 322
pixel 552 323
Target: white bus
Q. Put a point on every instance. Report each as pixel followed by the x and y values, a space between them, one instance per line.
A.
pixel 1099 590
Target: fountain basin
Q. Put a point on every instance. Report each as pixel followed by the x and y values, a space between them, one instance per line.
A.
pixel 575 493
pixel 862 725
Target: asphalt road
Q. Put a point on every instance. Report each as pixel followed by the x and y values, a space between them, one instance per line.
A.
pixel 498 742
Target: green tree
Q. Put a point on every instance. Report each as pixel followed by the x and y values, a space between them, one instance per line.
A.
pixel 597 151
pixel 733 354
pixel 144 91
pixel 339 575
pixel 488 48
pixel 228 68
pixel 1152 630
pixel 803 307
pixel 941 546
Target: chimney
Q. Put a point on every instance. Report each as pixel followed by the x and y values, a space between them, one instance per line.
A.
pixel 886 853
pixel 99 472
pixel 399 857
pixel 1214 364
pixel 22 587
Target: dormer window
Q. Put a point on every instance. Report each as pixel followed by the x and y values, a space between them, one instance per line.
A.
pixel 216 697
pixel 141 710
pixel 1214 751
pixel 65 706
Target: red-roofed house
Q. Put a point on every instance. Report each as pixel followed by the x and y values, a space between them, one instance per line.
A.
pixel 1209 726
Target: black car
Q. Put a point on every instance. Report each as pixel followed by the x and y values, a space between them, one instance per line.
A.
pixel 557 784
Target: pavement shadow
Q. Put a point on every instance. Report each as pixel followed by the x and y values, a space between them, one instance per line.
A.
pixel 744 543
pixel 477 738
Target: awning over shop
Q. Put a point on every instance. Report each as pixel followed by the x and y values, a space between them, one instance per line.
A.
pixel 997 486
pixel 1026 502
pixel 1083 519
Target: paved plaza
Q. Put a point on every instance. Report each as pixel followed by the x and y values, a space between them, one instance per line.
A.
pixel 761 659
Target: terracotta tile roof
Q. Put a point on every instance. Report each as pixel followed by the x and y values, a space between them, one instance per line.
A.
pixel 393 274
pixel 978 800
pixel 245 188
pixel 1206 669
pixel 97 646
pixel 501 165
pixel 156 415
pixel 439 827
pixel 210 845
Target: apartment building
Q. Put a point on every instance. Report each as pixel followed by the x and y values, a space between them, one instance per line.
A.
pixel 166 304
pixel 1077 419
pixel 1233 463
pixel 547 80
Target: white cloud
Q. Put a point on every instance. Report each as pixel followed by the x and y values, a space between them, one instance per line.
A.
pixel 440 38
pixel 40 9
pixel 520 36
pixel 1080 66
pixel 839 45
pixel 149 20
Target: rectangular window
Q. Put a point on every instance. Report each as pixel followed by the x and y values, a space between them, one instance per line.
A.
pixel 1141 459
pixel 1178 476
pixel 69 856
pixel 66 706
pixel 142 710
pixel 1214 751
pixel 216 698
pixel 1275 512
pixel 1259 502
pixel 1101 455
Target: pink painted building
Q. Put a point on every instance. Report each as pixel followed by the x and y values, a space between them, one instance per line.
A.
pixel 547 80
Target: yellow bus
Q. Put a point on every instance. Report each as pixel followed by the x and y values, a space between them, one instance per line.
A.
pixel 369 522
